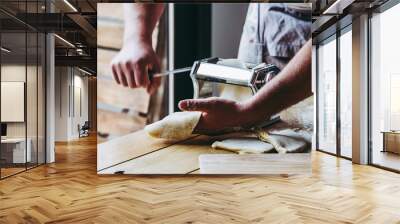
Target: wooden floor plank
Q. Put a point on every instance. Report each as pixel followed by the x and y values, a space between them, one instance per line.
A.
pixel 70 191
pixel 7 171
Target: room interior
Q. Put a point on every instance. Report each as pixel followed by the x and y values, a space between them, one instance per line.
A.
pixel 334 69
pixel 29 94
pixel 49 75
pixel 22 101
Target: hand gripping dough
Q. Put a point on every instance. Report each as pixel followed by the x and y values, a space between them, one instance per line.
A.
pixel 178 125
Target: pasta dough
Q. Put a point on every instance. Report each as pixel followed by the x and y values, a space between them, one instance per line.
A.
pixel 232 62
pixel 234 92
pixel 284 144
pixel 264 136
pixel 243 145
pixel 284 141
pixel 178 125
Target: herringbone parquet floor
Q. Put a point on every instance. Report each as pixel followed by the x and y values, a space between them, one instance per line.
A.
pixel 70 191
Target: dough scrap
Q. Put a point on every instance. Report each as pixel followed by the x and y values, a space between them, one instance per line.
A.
pixel 285 144
pixel 283 141
pixel 243 145
pixel 264 136
pixel 178 125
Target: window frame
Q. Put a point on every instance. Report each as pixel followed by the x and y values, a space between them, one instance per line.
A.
pixel 335 36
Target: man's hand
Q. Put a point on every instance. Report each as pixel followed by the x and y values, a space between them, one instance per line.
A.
pixel 217 113
pixel 131 65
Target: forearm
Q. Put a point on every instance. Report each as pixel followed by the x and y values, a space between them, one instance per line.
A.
pixel 292 85
pixel 140 20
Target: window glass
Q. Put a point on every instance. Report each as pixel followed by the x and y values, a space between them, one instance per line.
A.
pixel 346 94
pixel 41 98
pixel 327 96
pixel 385 88
pixel 22 88
pixel 15 150
pixel 31 99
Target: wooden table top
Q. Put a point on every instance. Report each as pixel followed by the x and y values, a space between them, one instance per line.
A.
pixel 138 153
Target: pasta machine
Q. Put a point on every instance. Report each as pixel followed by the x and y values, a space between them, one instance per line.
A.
pixel 208 74
pixel 216 77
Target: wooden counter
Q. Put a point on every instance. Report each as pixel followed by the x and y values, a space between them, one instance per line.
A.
pixel 137 153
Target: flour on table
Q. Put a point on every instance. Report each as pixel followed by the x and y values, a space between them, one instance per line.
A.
pixel 178 125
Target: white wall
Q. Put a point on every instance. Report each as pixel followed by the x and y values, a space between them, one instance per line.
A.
pixel 12 73
pixel 81 96
pixel 50 93
pixel 70 83
pixel 360 90
pixel 226 28
pixel 82 82
pixel 62 81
